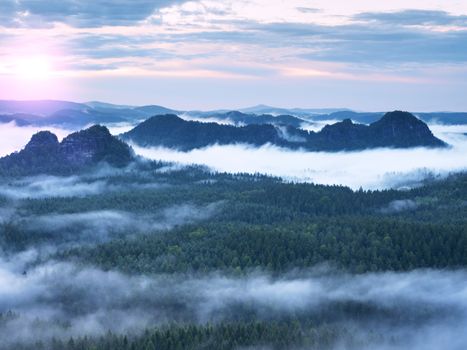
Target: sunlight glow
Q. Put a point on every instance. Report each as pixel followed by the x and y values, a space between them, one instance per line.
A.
pixel 34 67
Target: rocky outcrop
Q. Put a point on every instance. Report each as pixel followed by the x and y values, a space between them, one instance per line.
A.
pixel 43 140
pixel 94 145
pixel 45 154
pixel 402 129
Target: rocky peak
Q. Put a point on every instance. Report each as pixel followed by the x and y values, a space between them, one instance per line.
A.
pixel 400 120
pixel 93 145
pixel 44 154
pixel 42 140
pixel 403 129
pixel 344 130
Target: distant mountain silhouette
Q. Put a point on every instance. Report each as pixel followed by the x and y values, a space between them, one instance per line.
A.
pixel 239 119
pixel 154 109
pixel 449 118
pixel 394 129
pixel 19 118
pixel 45 154
pixel 78 115
pixel 264 109
pixel 358 117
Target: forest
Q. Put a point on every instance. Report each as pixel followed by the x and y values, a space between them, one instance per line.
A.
pixel 155 219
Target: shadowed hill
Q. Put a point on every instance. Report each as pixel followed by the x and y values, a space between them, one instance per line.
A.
pixel 395 129
pixel 45 154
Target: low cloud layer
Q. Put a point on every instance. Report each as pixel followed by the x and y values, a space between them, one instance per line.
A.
pixel 370 169
pixel 89 227
pixel 13 138
pixel 51 186
pixel 417 310
pixel 399 205
pixel 93 183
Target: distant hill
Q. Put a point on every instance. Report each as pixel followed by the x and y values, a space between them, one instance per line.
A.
pixel 358 117
pixel 395 129
pixel 264 109
pixel 449 118
pixel 154 109
pixel 239 119
pixel 68 114
pixel 73 115
pixel 45 154
pixel 19 118
pixel 39 108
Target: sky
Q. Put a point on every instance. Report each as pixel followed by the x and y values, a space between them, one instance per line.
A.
pixel 360 54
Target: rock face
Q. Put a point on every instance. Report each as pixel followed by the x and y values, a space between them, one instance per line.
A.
pixel 43 140
pixel 44 154
pixel 402 129
pixel 341 135
pixel 395 129
pixel 94 145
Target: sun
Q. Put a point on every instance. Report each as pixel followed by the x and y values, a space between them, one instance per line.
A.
pixel 33 67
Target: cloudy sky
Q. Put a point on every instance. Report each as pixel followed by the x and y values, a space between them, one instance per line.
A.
pixel 361 54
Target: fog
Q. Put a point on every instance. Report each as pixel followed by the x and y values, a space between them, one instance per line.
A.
pixel 92 183
pixel 399 205
pixel 423 309
pixel 13 138
pixel 210 119
pixel 43 297
pixel 51 186
pixel 98 226
pixel 369 169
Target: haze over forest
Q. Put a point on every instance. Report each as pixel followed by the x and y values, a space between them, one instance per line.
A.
pixel 237 175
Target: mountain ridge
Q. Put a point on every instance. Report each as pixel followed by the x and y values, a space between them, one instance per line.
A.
pixel 395 129
pixel 78 115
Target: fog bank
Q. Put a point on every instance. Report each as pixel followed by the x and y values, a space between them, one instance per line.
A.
pixel 13 138
pixel 369 169
pixel 419 310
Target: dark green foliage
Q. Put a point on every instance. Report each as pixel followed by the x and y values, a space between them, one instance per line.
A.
pixel 223 336
pixel 261 224
pixel 357 244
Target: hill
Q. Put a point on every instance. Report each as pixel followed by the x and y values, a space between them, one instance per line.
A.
pixel 79 150
pixel 395 129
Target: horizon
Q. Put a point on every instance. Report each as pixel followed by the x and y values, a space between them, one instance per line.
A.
pixel 238 108
pixel 209 55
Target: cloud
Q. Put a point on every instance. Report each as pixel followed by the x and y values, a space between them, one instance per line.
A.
pixel 103 178
pixel 355 169
pixel 309 9
pixel 414 310
pixel 370 169
pixel 51 186
pixel 81 13
pixel 196 30
pixel 13 138
pixel 98 226
pixel 398 206
pixel 414 17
